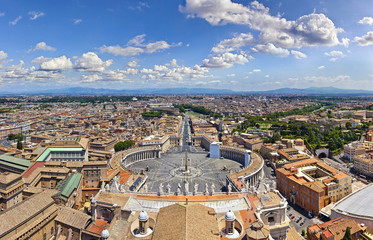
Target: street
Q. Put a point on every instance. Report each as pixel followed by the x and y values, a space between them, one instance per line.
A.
pixel 304 222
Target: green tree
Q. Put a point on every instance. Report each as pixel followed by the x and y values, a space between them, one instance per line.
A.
pixel 348 125
pixel 347 235
pixel 19 145
pixel 303 232
pixel 123 145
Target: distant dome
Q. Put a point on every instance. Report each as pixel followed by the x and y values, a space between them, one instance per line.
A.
pixel 143 216
pixel 105 233
pixel 229 216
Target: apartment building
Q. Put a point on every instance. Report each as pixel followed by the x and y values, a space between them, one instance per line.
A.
pixel 312 184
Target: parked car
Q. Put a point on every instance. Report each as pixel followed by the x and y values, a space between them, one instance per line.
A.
pixel 292 217
pixel 290 214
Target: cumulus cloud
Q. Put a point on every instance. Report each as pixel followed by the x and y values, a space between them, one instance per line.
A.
pixel 3 55
pixel 56 64
pixel 233 44
pixel 298 55
pixel 90 62
pixel 15 21
pixel 137 46
pixel 225 60
pixel 271 49
pixel 42 46
pixel 19 74
pixel 35 15
pixel 133 64
pixel 367 21
pixel 2 14
pixel 308 30
pixel 335 55
pixel 172 72
pixel 345 42
pixel 365 40
pixel 321 67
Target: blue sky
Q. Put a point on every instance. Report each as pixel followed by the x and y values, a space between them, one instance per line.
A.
pixel 239 45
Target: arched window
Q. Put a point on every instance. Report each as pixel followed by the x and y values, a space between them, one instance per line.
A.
pixel 52 230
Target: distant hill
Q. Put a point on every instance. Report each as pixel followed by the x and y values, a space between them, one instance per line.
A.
pixel 192 91
pixel 318 91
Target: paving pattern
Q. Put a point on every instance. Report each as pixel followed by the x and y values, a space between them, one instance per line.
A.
pixel 167 170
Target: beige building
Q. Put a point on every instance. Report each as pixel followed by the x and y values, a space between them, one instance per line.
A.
pixel 364 164
pixel 11 186
pixel 31 219
pixel 352 149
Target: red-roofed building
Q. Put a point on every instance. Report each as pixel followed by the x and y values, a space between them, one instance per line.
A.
pixel 335 230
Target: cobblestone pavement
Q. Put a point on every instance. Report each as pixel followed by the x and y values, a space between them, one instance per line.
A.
pixel 168 170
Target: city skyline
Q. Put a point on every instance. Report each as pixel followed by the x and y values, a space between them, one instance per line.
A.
pixel 237 45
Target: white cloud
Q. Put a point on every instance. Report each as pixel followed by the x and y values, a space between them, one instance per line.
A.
pixel 77 21
pixel 173 63
pixel 3 55
pixel 18 74
pixel 107 76
pixel 15 21
pixel 90 62
pixel 136 46
pixel 225 60
pixel 2 14
pixel 321 67
pixel 232 44
pixel 133 64
pixel 40 60
pixel 174 73
pixel 345 42
pixel 257 70
pixel 335 55
pixel 56 64
pixel 43 47
pixel 366 20
pixel 309 30
pixel 231 75
pixel 298 55
pixel 271 49
pixel 140 6
pixel 266 76
pixel 365 40
pixel 35 15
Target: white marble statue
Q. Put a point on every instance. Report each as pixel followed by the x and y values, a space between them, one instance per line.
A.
pixel 195 189
pixel 206 189
pixel 160 189
pixel 212 189
pixel 186 187
pixel 168 187
pixel 229 188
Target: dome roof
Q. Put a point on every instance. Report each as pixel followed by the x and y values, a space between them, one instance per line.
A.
pixel 105 233
pixel 143 216
pixel 229 216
